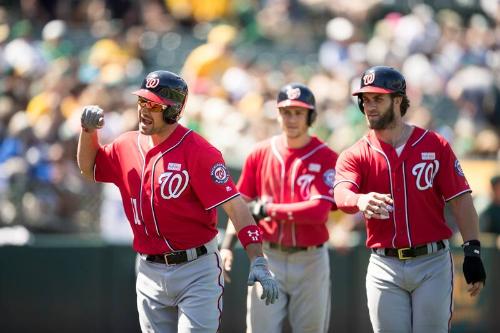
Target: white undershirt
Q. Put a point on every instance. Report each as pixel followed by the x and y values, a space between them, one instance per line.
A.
pixel 399 150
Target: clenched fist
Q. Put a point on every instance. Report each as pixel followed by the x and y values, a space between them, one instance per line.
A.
pixel 92 118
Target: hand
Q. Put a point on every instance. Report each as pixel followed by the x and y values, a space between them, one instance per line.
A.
pixel 375 205
pixel 227 263
pixel 473 268
pixel 261 273
pixel 257 209
pixel 92 118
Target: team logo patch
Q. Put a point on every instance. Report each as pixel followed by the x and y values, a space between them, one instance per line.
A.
pixel 219 173
pixel 314 167
pixel 428 156
pixel 368 78
pixel 458 169
pixel 293 93
pixel 174 166
pixel 328 177
pixel 152 82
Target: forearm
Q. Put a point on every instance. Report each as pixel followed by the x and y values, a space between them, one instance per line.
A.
pixel 305 212
pixel 230 237
pixel 346 197
pixel 240 217
pixel 88 145
pixel 462 208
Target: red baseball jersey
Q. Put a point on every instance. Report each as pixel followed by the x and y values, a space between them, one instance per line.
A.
pixel 280 175
pixel 169 192
pixel 420 181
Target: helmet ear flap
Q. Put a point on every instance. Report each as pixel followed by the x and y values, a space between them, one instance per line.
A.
pixel 171 114
pixel 311 117
pixel 360 103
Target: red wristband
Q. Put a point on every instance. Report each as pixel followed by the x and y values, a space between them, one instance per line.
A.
pixel 250 234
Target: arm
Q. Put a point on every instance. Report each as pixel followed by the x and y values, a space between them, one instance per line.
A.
pixel 88 143
pixel 305 212
pixel 372 205
pixel 243 222
pixel 465 215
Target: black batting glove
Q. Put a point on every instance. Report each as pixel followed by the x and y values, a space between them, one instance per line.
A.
pixel 473 265
pixel 257 209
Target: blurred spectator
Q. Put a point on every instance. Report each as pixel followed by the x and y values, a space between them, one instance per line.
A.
pixel 489 219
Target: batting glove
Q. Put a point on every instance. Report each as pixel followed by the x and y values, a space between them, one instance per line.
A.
pixel 260 272
pixel 258 209
pixel 473 265
pixel 92 118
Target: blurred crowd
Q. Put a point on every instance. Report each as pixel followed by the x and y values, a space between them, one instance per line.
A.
pixel 57 56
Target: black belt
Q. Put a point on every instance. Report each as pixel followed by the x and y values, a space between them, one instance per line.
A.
pixel 410 252
pixel 175 258
pixel 293 249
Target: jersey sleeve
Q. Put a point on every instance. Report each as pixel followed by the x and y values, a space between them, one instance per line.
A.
pixel 347 169
pixel 247 180
pixel 105 167
pixel 450 178
pixel 210 178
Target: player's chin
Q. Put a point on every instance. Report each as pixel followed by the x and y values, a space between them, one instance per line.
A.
pixel 145 128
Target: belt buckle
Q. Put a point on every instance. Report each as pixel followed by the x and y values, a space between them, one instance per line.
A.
pixel 165 256
pixel 401 255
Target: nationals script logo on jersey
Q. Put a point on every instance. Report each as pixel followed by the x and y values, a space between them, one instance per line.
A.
pixel 304 182
pixel 425 172
pixel 172 184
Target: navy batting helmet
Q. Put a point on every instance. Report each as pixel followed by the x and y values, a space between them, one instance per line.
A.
pixel 297 94
pixel 380 80
pixel 165 88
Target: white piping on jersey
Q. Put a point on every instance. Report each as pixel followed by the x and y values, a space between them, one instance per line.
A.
pixel 152 188
pixel 276 153
pixel 420 138
pixel 457 195
pixel 390 183
pixel 141 152
pixel 345 181
pixel 406 206
pixel 314 197
pixel 223 201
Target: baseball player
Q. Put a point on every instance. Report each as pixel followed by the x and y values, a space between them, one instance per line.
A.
pixel 171 180
pixel 400 177
pixel 288 182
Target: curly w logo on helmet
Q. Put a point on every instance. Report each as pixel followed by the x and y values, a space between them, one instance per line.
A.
pixel 152 82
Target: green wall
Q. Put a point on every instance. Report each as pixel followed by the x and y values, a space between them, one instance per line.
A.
pixel 68 284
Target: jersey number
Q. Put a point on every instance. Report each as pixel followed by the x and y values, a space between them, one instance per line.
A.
pixel 425 173
pixel 173 184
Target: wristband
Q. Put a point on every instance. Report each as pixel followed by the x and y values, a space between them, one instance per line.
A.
pixel 250 234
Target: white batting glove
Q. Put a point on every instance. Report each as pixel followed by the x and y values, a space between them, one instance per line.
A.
pixel 92 118
pixel 260 272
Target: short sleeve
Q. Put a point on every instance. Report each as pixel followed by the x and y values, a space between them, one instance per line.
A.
pixel 347 169
pixel 210 178
pixel 450 179
pixel 105 169
pixel 248 177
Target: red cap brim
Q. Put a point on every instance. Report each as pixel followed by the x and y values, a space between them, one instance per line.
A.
pixel 292 102
pixel 150 96
pixel 372 89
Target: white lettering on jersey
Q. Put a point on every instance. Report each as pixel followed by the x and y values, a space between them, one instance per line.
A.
pixel 428 156
pixel 304 182
pixel 174 166
pixel 425 172
pixel 314 167
pixel 173 184
pixel 134 211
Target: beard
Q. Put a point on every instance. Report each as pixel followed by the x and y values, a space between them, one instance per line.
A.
pixel 385 121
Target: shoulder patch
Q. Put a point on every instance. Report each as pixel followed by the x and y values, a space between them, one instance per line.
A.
pixel 328 177
pixel 219 173
pixel 458 169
